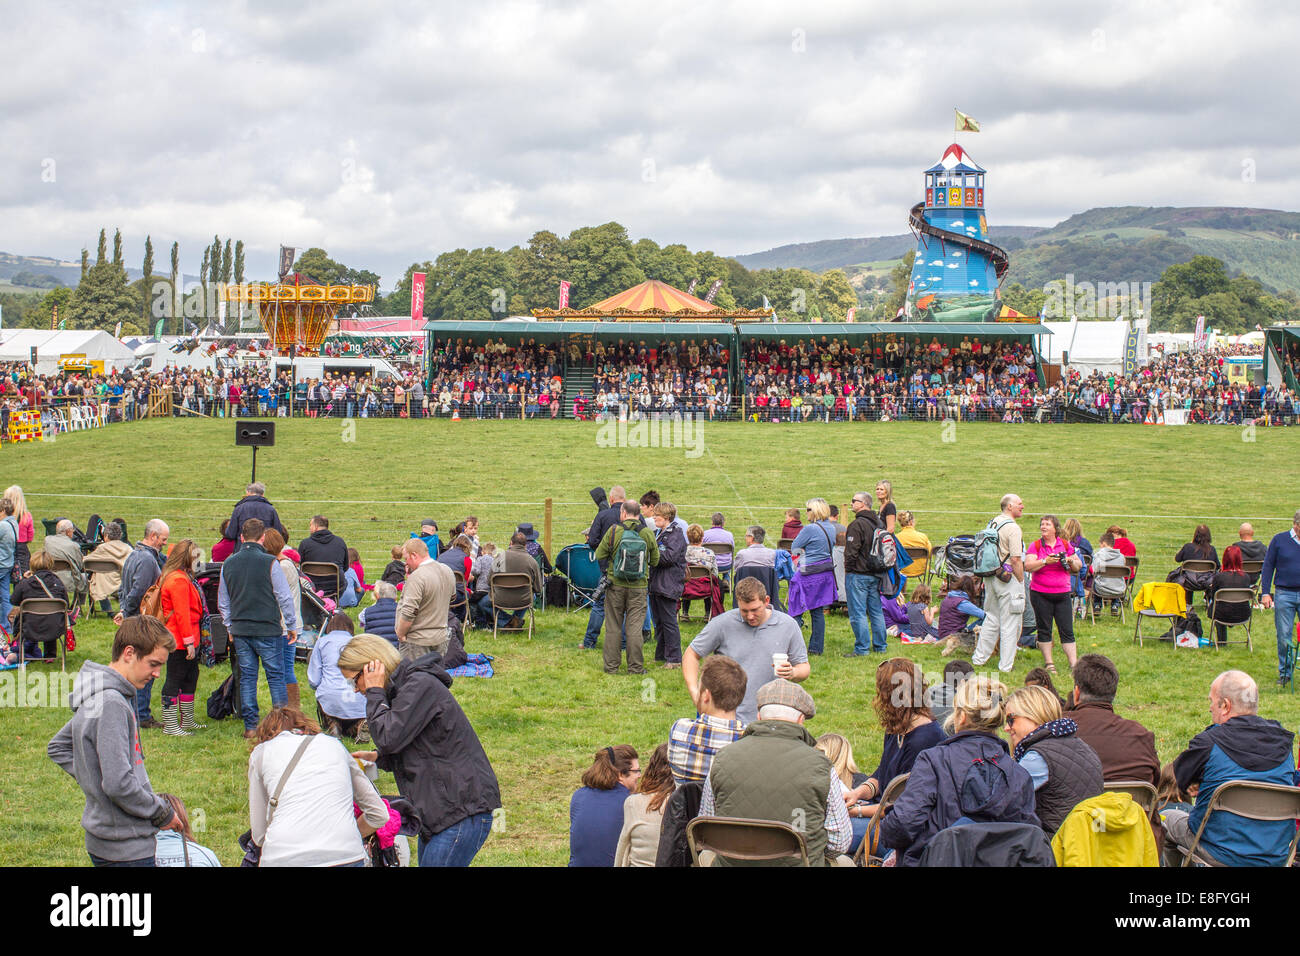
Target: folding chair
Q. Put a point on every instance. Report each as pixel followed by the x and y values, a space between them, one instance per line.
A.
pixel 753 841
pixel 37 607
pixel 1197 566
pixel 771 583
pixel 1142 792
pixel 728 550
pixel 695 572
pixel 1254 569
pixel 893 790
pixel 512 593
pixel 1244 596
pixel 922 554
pixel 1254 800
pixel 1132 564
pixel 1112 572
pixel 100 566
pixel 460 596
pixel 325 577
pixel 783 544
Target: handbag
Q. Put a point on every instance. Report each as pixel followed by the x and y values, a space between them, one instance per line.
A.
pixel 821 567
pixel 252 851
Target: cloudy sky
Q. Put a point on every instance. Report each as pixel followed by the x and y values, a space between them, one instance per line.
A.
pixel 388 133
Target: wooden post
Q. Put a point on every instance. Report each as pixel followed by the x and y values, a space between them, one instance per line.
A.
pixel 546 528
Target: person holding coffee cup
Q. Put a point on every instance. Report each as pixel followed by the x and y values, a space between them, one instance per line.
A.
pixel 765 642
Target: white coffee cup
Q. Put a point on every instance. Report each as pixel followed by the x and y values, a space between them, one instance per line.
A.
pixel 779 659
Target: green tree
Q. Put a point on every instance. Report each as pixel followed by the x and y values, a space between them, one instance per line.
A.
pixel 468 286
pixel 398 302
pixel 602 263
pixel 175 301
pixel 203 283
pixel 85 262
pixel 147 278
pixel 117 248
pixel 239 262
pixel 538 269
pixel 836 295
pixel 102 256
pixel 899 277
pixel 104 298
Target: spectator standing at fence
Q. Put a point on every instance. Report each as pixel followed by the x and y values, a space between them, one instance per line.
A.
pixel 1281 571
pixel 1004 595
pixel 253 505
pixel 140 570
pixel 254 599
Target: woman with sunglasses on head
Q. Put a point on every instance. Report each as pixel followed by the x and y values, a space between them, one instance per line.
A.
pixel 1065 770
pixel 422 736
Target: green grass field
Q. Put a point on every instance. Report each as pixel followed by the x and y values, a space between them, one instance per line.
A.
pixel 550 708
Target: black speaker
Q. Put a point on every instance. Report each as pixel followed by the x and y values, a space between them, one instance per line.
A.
pixel 256 434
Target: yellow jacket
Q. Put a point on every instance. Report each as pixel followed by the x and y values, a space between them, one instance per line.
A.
pixel 1106 830
pixel 1162 597
pixel 911 538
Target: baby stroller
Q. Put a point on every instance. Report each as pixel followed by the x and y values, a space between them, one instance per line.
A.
pixel 315 617
pixel 955 558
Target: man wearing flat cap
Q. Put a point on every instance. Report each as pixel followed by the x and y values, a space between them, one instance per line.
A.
pixel 775 772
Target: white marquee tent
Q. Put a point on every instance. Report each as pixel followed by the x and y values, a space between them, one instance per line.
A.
pixel 1092 346
pixel 16 346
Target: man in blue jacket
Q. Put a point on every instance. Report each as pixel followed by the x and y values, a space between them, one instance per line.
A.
pixel 1238 745
pixel 1282 571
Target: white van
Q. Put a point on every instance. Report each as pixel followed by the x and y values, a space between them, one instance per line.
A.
pixel 322 367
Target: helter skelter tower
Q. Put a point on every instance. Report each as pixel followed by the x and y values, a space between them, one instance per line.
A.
pixel 957 271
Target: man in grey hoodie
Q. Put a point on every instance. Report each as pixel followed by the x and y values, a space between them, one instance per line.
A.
pixel 1112 589
pixel 100 747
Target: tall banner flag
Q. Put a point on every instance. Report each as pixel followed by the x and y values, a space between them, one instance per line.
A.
pixel 768 305
pixel 713 291
pixel 417 296
pixel 157 330
pixel 117 331
pixel 965 124
pixel 690 289
pixel 850 314
pixel 1131 350
pixel 1199 342
pixel 286 261
pixel 564 294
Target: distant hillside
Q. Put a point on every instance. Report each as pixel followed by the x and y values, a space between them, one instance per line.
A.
pixel 68 273
pixel 1112 244
pixel 839 253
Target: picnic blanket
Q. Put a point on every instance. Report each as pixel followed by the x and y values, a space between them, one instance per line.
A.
pixel 476 665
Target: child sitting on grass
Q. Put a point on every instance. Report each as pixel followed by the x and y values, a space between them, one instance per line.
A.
pixel 920 618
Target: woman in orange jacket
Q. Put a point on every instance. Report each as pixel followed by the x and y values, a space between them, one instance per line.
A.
pixel 181 608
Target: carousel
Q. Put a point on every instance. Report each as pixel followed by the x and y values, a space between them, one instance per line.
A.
pixel 297 316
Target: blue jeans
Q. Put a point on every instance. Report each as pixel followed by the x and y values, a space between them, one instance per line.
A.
pixel 595 621
pixel 249 650
pixel 863 594
pixel 142 697
pixel 458 844
pixel 290 675
pixel 481 609
pixel 817 641
pixel 1285 605
pixel 6 576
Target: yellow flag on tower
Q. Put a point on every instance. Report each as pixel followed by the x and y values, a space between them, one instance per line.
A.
pixel 965 124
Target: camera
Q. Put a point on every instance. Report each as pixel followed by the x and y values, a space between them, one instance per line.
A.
pixel 597 594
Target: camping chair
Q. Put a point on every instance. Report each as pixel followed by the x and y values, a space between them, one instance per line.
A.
pixel 757 841
pixel 51 524
pixel 100 566
pixel 577 564
pixel 922 554
pixel 325 577
pixel 893 790
pixel 1112 572
pixel 1244 596
pixel 38 607
pixel 728 550
pixel 1253 800
pixel 1142 792
pixel 512 593
pixel 1150 614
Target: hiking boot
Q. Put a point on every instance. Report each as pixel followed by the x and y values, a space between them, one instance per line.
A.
pixel 149 724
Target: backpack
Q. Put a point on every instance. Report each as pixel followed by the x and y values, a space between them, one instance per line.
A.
pixel 628 562
pixel 223 702
pixel 883 554
pixel 151 602
pixel 988 559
